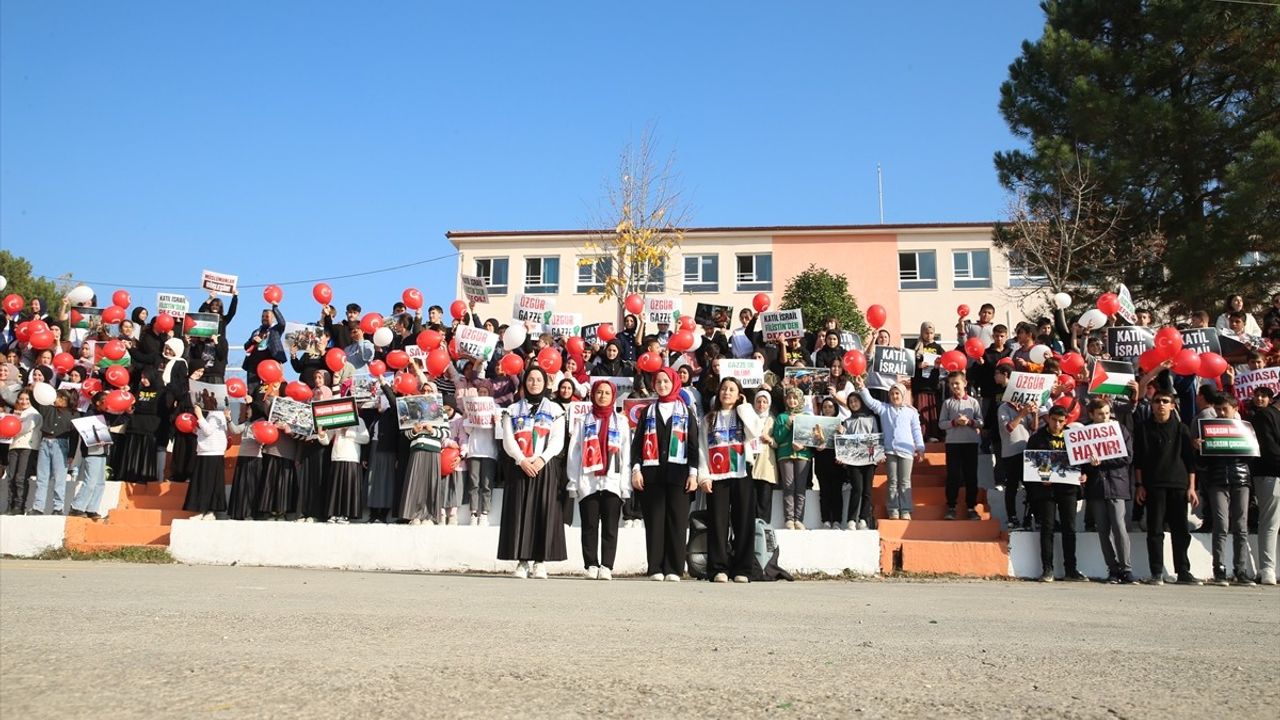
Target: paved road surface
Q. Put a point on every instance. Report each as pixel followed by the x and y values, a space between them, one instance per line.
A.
pixel 80 639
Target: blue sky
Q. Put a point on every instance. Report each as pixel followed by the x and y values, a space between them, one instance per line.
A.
pixel 143 141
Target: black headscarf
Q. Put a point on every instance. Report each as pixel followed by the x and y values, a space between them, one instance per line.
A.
pixel 546 386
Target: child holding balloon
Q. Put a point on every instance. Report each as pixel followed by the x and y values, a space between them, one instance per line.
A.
pixel 205 494
pixel 21 451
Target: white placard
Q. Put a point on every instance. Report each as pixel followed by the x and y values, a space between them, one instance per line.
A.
pixel 782 324
pixel 218 282
pixel 534 308
pixel 747 371
pixel 475 289
pixel 661 309
pixel 1103 441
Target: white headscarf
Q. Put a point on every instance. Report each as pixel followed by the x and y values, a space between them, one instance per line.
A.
pixel 178 348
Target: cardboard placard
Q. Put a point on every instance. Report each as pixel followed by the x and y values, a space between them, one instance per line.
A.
pixel 748 372
pixel 1026 388
pixel 577 412
pixel 1247 382
pixel 474 289
pixel 218 282
pixel 804 430
pixel 413 409
pixel 295 415
pixel 661 309
pixel 301 335
pixel 172 304
pixel 1103 441
pixel 810 380
pixel 590 333
pixel 209 397
pixel 1202 340
pixel 85 318
pixel 718 315
pixel 1128 311
pixel 889 360
pixel 479 412
pixel 1127 342
pixel 850 341
pixel 566 324
pixel 335 413
pixel 860 448
pixel 533 308
pixel 93 430
pixel 1227 437
pixel 1040 466
pixel 782 324
pixel 475 342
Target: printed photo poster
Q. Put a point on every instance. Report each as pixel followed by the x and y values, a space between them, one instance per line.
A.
pixel 747 371
pixel 83 404
pixel 1202 340
pixel 1127 342
pixel 889 360
pixel 301 335
pixel 624 386
pixel 1128 311
pixel 1227 437
pixel 1026 388
pixel 708 314
pixel 216 282
pixel 782 324
pixel 815 431
pixel 93 430
pixel 86 318
pixel 335 413
pixel 1247 382
pixel 661 309
pixel 1039 466
pixel 200 325
pixel 479 412
pixel 810 380
pixel 566 324
pixel 1103 441
pixel 534 308
pixel 474 289
pixel 172 304
pixel 295 415
pixel 860 448
pixel 632 407
pixel 210 397
pixel 1111 377
pixel 414 409
pixel 365 388
pixel 475 342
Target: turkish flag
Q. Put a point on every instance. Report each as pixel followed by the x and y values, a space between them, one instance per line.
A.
pixel 525 441
pixel 591 456
pixel 650 449
pixel 719 459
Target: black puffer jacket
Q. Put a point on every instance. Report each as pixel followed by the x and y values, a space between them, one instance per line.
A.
pixel 1266 425
pixel 1111 479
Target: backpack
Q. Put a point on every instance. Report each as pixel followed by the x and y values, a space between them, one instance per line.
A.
pixel 764 564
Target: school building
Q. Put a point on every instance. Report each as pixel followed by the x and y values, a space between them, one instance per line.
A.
pixel 918 272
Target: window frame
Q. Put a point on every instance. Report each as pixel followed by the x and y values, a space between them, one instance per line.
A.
pixel 752 283
pixel 1018 276
pixel 918 283
pixel 596 281
pixel 493 289
pixel 702 284
pixel 970 282
pixel 543 287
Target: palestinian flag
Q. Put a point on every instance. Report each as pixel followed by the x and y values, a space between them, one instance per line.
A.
pixel 335 413
pixel 200 325
pixel 1111 377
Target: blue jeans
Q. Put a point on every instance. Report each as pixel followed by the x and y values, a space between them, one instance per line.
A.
pixel 51 466
pixel 93 478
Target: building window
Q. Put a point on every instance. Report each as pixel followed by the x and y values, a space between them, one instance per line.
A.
pixel 648 277
pixel 542 275
pixel 701 273
pixel 755 272
pixel 593 273
pixel 972 269
pixel 1022 274
pixel 494 272
pixel 918 270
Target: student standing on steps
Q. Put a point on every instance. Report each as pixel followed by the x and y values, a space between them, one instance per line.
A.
pixel 664 468
pixel 903 444
pixel 1107 491
pixel 730 492
pixel 1048 497
pixel 1164 471
pixel 598 466
pixel 961 419
pixel 532 529
pixel 1226 485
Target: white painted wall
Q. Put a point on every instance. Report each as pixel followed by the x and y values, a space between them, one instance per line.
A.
pixel 1024 555
pixel 25 536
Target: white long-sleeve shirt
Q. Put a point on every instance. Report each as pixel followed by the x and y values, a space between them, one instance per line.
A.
pixel 211 435
pixel 617 478
pixel 28 438
pixel 555 437
pixel 346 442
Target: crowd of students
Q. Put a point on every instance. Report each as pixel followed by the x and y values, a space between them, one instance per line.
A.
pixel 704 440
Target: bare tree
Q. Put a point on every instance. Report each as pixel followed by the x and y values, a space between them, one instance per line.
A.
pixel 641 222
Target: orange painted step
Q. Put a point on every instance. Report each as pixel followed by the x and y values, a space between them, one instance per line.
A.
pixel 921 511
pixel 924 495
pixel 120 535
pixel 155 489
pixel 946 530
pixel 138 517
pixel 154 496
pixel 971 559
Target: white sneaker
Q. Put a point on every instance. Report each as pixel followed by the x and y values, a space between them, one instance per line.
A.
pixel 826 526
pixel 475 519
pixel 415 521
pixel 862 524
pixel 605 573
pixel 341 521
pixel 539 571
pixel 741 579
pixel 720 578
pixel 905 515
pixel 656 577
pixel 484 519
pixel 893 514
pixel 593 572
pixel 672 578
pixel 453 520
pixel 791 524
pixel 522 570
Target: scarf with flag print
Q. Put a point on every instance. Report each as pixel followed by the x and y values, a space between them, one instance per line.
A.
pixel 594 458
pixel 726 441
pixel 678 447
pixel 531 425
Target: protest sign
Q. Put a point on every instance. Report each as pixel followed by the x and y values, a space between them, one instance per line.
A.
pixel 577 411
pixel 93 430
pixel 624 386
pixel 86 318
pixel 1128 311
pixel 209 397
pixel 1202 340
pixel 631 407
pixel 889 360
pixel 534 308
pixel 1227 437
pixel 172 304
pixel 590 334
pixel 1040 466
pixel 200 325
pixel 335 413
pixel 1103 441
pixel 1111 377
pixel 218 282
pixel 1026 388
pixel 474 289
pixel 805 430
pixel 782 324
pixel 301 335
pixel 476 342
pixel 810 380
pixel 366 389
pixel 708 314
pixel 479 412
pixel 565 324
pixel 1247 382
pixel 1127 342
pixel 414 409
pixel 295 415
pixel 661 310
pixel 748 372
pixel 860 448
pixel 850 341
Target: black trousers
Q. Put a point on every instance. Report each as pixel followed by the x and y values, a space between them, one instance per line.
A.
pixel 601 513
pixel 764 500
pixel 22 464
pixel 1167 506
pixel 731 503
pixel 1062 498
pixel 666 526
pixel 962 469
pixel 1012 479
pixel 861 478
pixel 831 495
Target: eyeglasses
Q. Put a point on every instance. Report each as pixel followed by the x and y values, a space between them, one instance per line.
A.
pixel 1163 401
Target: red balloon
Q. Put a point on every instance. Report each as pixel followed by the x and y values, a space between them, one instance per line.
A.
pixel 13 304
pixel 634 304
pixel 458 308
pixel 429 340
pixel 118 401
pixel 23 331
pixel 113 315
pixel 335 359
pixel 1212 366
pixel 1072 363
pixel 1066 382
pixel 322 293
pixel 270 371
pixel 62 362
pixel 188 323
pixel 855 362
pixel 163 323
pixel 117 376
pixel 606 332
pixel 370 323
pixel 298 391
pixel 114 350
pixel 185 422
pixel 760 302
pixel 449 460
pixel 236 388
pixel 10 426
pixel 681 341
pixel 511 364
pixel 272 294
pixel 377 368
pixel 76 317
pixel 1168 342
pixel 406 384
pixel 37 326
pixel 974 348
pixel 953 361
pixel 397 359
pixel 412 299
pixel 687 323
pixel 649 362
pixel 41 340
pixel 963 311
pixel 437 362
pixel 577 345
pixel 1149 359
pixel 1186 362
pixel 1073 407
pixel 265 433
pixel 90 387
pixel 549 360
pixel 454 353
pixel 876 315
pixel 1109 303
pixel 121 299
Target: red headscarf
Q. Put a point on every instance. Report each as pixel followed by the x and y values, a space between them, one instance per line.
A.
pixel 603 415
pixel 674 395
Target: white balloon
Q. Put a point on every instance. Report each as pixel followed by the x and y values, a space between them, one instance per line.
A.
pixel 514 336
pixel 383 336
pixel 1039 353
pixel 1093 319
pixel 697 342
pixel 43 393
pixel 4 283
pixel 1062 301
pixel 80 294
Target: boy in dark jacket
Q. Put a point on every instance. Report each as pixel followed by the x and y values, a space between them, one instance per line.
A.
pixel 1046 497
pixel 1266 480
pixel 1107 488
pixel 1226 483
pixel 1164 464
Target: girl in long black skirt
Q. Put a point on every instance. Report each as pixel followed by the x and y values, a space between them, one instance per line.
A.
pixel 207 493
pixel 344 483
pixel 532 530
pixel 246 483
pixel 133 458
